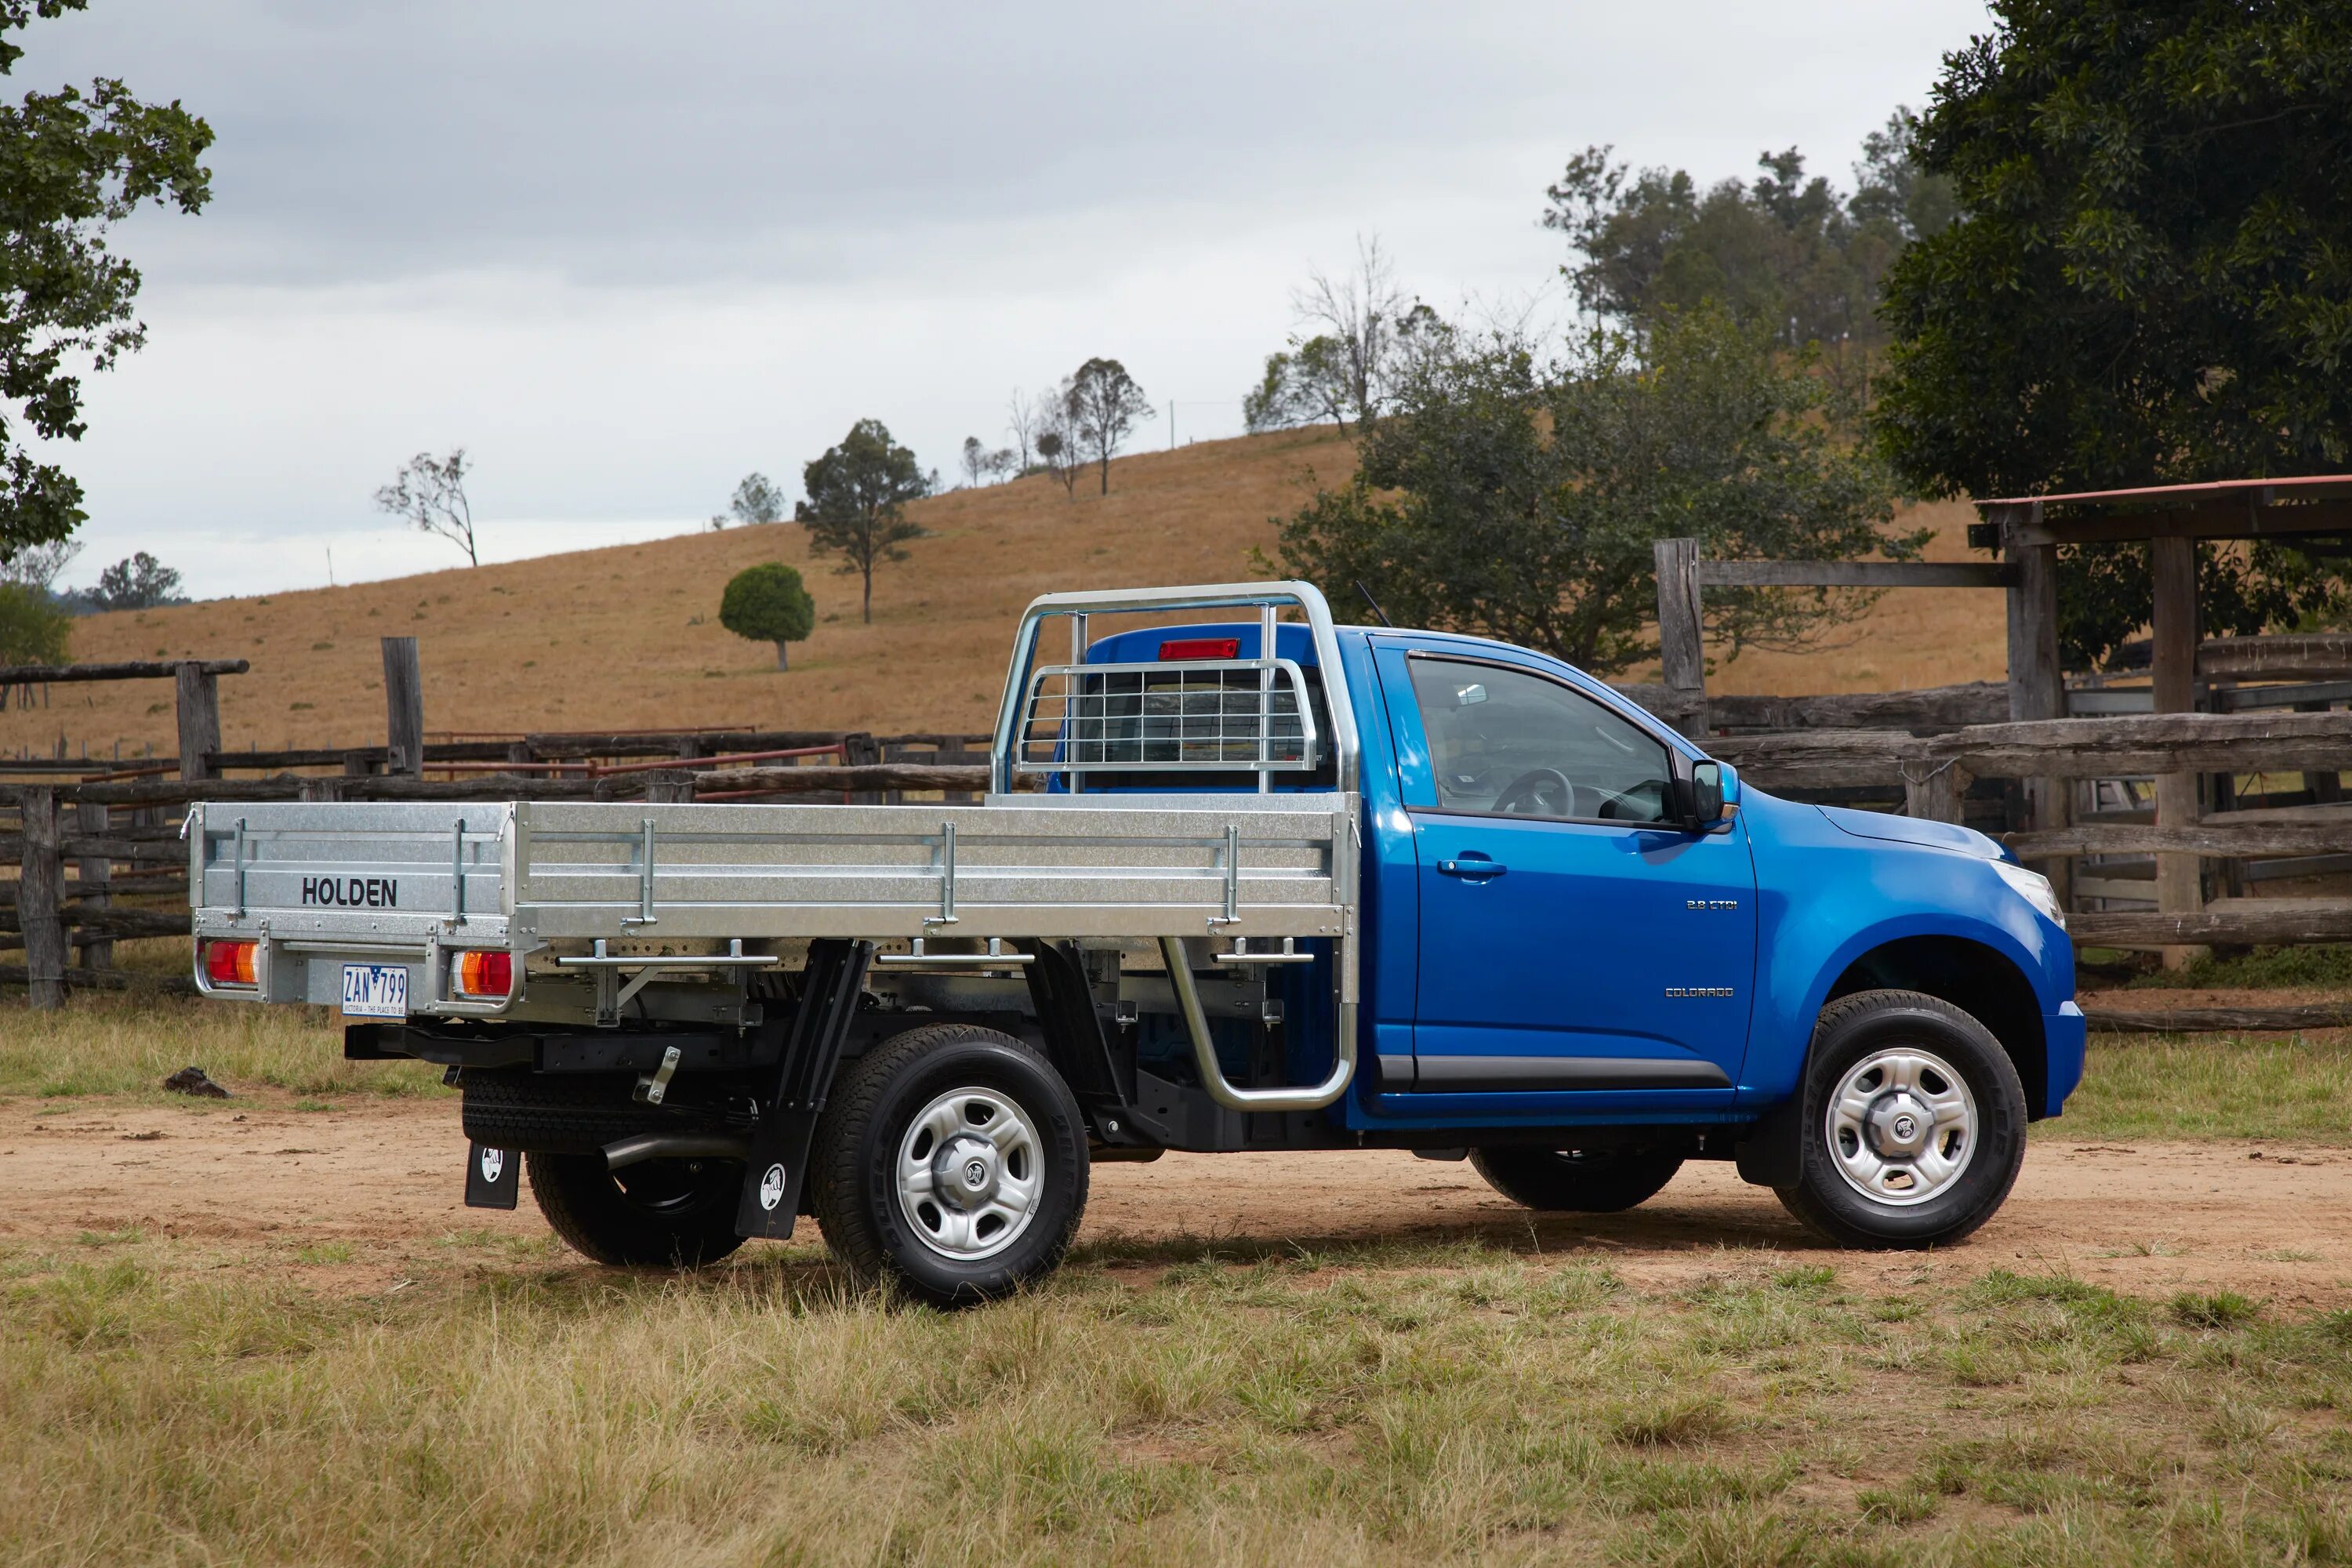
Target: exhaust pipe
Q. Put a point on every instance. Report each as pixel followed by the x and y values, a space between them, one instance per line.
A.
pixel 674 1146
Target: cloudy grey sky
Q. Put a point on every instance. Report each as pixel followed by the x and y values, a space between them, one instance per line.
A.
pixel 625 253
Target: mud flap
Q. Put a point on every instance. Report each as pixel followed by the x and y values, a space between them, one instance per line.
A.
pixel 1771 1154
pixel 1074 1033
pixel 776 1167
pixel 493 1178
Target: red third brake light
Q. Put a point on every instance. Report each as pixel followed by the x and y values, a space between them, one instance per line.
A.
pixel 229 963
pixel 486 973
pixel 1201 648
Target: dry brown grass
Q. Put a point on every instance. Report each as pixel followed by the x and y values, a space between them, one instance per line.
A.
pixel 171 1401
pixel 628 638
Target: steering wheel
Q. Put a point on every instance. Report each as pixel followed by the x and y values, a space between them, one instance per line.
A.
pixel 1539 792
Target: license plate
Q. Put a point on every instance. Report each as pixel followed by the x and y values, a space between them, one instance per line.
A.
pixel 375 991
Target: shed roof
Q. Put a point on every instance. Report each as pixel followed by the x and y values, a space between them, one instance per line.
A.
pixel 2310 487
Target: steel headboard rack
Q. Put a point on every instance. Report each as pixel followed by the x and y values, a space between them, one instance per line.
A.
pixel 1269 600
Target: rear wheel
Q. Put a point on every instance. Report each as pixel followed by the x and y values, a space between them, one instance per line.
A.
pixel 1913 1124
pixel 1564 1181
pixel 952 1160
pixel 676 1213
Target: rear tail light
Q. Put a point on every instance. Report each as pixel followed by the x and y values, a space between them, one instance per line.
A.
pixel 230 962
pixel 1200 648
pixel 486 973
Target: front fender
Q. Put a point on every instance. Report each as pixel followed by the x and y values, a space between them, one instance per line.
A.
pixel 1826 897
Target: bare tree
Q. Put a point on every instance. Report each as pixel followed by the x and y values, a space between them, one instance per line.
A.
pixel 1025 420
pixel 430 493
pixel 39 565
pixel 1361 313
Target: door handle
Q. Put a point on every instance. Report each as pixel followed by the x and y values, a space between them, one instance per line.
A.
pixel 1476 870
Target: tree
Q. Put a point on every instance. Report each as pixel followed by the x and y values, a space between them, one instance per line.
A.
pixel 1310 382
pixel 40 565
pixel 1520 499
pixel 768 603
pixel 1026 419
pixel 430 493
pixel 2148 283
pixel 981 465
pixel 1786 252
pixel 1103 403
pixel 858 494
pixel 757 500
pixel 33 629
pixel 1357 317
pixel 1060 455
pixel 137 581
pixel 72 165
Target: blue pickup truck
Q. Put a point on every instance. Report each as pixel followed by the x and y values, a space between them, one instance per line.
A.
pixel 1244 878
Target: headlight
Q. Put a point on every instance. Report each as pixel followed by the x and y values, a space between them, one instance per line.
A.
pixel 2034 889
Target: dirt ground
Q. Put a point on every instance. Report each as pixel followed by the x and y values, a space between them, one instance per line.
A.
pixel 258 1176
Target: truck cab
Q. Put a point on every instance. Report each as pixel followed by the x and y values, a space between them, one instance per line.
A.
pixel 1244 879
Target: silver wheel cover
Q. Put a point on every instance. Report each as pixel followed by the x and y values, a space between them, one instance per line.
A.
pixel 1901 1127
pixel 969 1173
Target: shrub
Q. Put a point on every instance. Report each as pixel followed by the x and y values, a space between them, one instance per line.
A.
pixel 767 604
pixel 32 629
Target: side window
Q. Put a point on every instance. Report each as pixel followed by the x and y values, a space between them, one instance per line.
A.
pixel 1501 741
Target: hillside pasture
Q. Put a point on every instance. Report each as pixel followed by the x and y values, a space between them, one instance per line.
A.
pixel 628 638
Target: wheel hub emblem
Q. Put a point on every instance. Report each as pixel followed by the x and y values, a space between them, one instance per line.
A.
pixel 975 1174
pixel 494 1164
pixel 771 1188
pixel 1905 1127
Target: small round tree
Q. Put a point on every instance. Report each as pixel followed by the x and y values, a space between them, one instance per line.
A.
pixel 767 604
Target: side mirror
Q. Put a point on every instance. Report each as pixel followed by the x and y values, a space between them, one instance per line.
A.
pixel 1702 796
pixel 1707 792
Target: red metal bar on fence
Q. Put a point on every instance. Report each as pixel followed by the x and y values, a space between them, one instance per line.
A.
pixel 674 764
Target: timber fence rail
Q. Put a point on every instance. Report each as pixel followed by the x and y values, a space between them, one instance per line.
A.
pixel 1935 771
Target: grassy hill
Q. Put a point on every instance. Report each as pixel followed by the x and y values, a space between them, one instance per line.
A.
pixel 628 638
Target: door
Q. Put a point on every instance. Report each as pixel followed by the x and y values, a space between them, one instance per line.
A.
pixel 1573 936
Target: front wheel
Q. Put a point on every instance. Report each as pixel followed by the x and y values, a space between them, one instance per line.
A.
pixel 1912 1128
pixel 952 1160
pixel 1565 1182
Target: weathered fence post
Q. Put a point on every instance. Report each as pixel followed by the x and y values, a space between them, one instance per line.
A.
pixel 859 749
pixel 403 709
pixel 2037 680
pixel 198 690
pixel 93 874
pixel 2179 879
pixel 1933 791
pixel 40 901
pixel 1682 654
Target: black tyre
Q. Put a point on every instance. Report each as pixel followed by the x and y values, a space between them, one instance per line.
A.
pixel 952 1160
pixel 1913 1123
pixel 1563 1180
pixel 658 1214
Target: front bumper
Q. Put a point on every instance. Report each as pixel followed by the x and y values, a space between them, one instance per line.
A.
pixel 2063 1034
